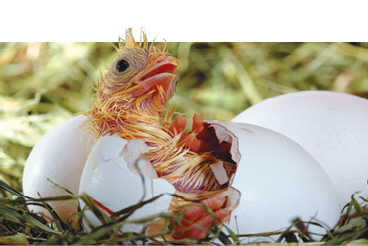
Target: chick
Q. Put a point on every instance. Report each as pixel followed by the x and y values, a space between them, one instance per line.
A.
pixel 131 102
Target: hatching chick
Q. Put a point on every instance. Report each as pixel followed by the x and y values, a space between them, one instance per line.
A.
pixel 131 99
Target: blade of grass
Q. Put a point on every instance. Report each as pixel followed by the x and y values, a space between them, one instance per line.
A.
pixel 232 235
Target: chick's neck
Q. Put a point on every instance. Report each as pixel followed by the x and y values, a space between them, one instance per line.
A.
pixel 126 116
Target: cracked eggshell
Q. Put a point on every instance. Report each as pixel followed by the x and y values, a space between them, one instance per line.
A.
pixel 60 156
pixel 278 181
pixel 331 126
pixel 111 180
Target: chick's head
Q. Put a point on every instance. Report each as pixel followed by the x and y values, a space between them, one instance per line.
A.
pixel 140 73
pixel 132 94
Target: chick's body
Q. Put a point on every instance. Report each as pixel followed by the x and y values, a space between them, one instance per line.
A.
pixel 130 102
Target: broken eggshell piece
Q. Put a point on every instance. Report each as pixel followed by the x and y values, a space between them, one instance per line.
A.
pixel 115 185
pixel 278 181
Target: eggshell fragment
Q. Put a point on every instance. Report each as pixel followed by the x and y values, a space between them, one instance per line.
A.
pixel 134 148
pixel 109 180
pixel 331 126
pixel 278 181
pixel 219 172
pixel 60 156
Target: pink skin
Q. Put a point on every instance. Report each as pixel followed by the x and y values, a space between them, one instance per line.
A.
pixel 196 221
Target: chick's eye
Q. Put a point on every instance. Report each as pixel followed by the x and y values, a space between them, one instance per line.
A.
pixel 122 65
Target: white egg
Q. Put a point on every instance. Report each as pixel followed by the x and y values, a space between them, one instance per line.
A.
pixel 279 181
pixel 332 127
pixel 60 156
pixel 109 180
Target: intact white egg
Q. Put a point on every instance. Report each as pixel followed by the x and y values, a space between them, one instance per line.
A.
pixel 331 126
pixel 115 185
pixel 60 156
pixel 279 181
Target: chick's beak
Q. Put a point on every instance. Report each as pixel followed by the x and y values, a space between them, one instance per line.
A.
pixel 163 73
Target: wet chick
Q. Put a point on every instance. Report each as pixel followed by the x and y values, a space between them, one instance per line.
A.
pixel 130 102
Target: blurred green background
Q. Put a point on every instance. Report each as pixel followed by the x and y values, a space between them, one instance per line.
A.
pixel 43 84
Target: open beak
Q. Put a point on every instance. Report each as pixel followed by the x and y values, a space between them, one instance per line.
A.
pixel 164 73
